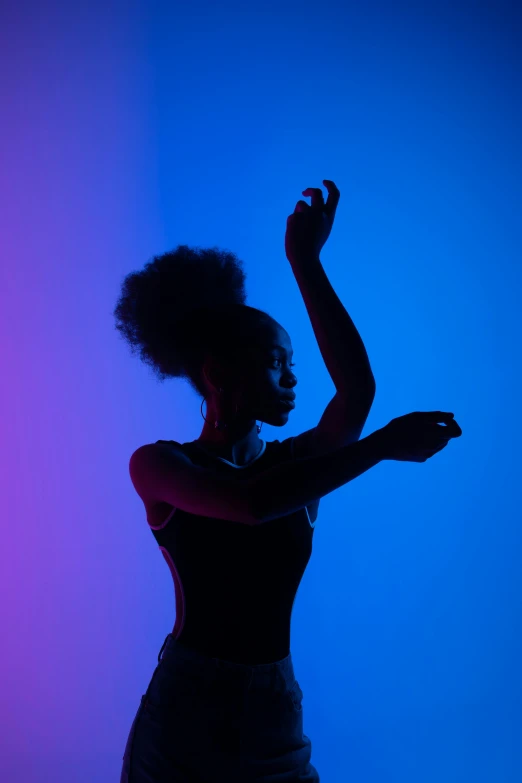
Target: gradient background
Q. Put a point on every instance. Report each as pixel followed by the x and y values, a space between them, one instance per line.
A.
pixel 129 128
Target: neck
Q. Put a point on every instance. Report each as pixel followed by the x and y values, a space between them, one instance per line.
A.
pixel 239 442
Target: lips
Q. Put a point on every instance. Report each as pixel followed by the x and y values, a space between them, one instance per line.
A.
pixel 286 402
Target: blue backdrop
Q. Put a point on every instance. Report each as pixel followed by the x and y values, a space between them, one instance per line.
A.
pixel 130 128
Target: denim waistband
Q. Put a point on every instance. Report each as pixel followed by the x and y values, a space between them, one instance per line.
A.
pixel 176 652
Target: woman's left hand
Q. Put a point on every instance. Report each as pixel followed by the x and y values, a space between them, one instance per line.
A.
pixel 308 227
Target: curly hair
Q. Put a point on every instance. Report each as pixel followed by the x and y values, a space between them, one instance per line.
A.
pixel 183 305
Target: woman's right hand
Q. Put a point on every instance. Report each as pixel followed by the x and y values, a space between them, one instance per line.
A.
pixel 416 437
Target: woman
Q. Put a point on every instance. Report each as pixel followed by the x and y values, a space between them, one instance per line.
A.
pixel 234 518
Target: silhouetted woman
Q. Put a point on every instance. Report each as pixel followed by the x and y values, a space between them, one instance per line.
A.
pixel 233 516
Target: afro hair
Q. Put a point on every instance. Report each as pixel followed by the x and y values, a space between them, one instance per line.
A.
pixel 182 305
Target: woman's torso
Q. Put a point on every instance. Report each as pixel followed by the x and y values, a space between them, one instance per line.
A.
pixel 235 585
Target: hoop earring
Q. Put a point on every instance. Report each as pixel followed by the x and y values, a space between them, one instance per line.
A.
pixel 220 425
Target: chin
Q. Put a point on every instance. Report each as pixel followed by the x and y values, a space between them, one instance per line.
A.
pixel 277 420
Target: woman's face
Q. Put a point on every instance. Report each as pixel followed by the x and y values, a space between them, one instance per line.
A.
pixel 270 376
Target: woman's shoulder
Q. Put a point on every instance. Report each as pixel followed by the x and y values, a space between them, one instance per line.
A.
pixel 285 445
pixel 278 450
pixel 170 443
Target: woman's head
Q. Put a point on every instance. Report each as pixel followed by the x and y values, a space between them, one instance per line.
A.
pixel 185 314
pixel 255 379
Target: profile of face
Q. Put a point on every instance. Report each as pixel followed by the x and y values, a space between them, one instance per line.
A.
pixel 269 378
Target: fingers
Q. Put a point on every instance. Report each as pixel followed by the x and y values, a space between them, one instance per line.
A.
pixel 317 197
pixel 334 195
pixel 332 201
pixel 451 426
pixel 454 429
pixel 448 431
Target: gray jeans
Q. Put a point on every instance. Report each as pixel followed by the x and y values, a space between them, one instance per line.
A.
pixel 206 720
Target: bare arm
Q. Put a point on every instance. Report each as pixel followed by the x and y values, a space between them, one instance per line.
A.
pixel 164 473
pixel 289 486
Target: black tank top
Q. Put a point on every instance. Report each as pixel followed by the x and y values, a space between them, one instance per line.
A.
pixel 235 584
